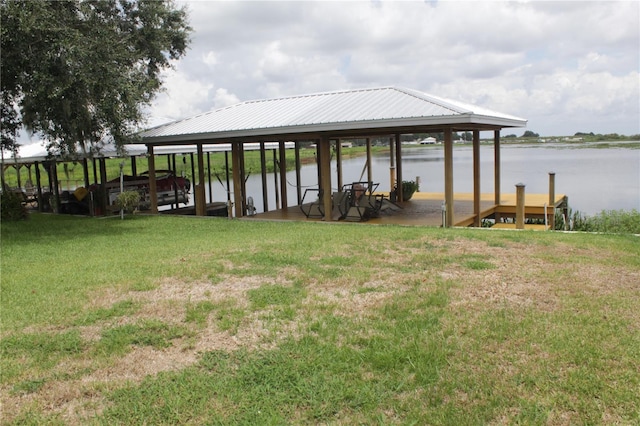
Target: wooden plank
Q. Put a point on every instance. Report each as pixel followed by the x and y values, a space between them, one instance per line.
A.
pixel 325 176
pixel 448 177
pixel 476 177
pixel 496 166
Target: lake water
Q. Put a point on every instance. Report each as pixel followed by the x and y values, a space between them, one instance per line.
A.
pixel 593 176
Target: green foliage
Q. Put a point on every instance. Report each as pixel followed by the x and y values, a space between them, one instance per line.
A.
pixel 274 295
pixel 118 309
pixel 409 187
pixel 128 201
pixel 530 134
pixel 118 340
pixel 12 206
pixel 609 221
pixel 83 71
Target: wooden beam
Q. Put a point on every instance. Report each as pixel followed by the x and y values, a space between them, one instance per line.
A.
pixel 283 174
pixel 85 172
pixel 476 178
pixel 552 201
pixel 325 176
pixel 298 166
pixel 200 201
pixel 448 177
pixel 263 168
pixel 153 188
pixel 339 162
pixel 275 179
pixel 496 166
pixel 236 153
pixel 399 165
pixel 209 181
pixel 369 169
pixel 39 186
pixel 520 207
pixel 392 170
pixel 103 180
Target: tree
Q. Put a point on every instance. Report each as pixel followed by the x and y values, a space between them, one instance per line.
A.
pixel 530 134
pixel 80 72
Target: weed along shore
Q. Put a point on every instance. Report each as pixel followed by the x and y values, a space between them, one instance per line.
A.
pixel 178 320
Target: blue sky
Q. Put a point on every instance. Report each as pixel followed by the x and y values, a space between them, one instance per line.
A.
pixel 565 66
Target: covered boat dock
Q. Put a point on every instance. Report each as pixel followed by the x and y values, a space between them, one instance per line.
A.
pixel 324 119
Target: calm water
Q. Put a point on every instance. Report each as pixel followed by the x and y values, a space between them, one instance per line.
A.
pixel 594 178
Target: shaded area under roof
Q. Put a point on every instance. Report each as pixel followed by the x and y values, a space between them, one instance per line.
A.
pixel 342 113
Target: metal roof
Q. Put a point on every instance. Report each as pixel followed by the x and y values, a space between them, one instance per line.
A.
pixel 38 152
pixel 349 110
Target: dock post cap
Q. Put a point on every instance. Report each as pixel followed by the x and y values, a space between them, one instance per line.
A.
pixel 520 185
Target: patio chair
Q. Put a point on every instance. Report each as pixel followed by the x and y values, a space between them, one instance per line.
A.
pixel 314 208
pixel 363 203
pixel 340 202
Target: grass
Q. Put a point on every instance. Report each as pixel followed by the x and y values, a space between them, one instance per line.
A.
pixel 176 320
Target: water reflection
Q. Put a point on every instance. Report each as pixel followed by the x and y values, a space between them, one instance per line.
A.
pixel 595 179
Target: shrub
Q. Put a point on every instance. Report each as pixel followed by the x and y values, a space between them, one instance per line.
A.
pixel 128 201
pixel 409 187
pixel 610 221
pixel 12 207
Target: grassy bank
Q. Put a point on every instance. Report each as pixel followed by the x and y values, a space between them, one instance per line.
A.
pixel 170 320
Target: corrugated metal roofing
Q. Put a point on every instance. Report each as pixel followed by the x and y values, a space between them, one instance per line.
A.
pixel 330 111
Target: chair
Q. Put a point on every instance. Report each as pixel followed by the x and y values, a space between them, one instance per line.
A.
pixel 340 203
pixel 363 203
pixel 315 208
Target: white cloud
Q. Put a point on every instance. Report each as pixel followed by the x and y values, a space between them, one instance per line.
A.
pixel 566 66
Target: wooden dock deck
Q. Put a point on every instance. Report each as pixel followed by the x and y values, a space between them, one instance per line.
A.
pixel 425 209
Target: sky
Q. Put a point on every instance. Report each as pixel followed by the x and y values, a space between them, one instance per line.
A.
pixel 566 67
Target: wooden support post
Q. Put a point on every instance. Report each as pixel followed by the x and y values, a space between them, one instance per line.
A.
pixel 496 166
pixel 95 171
pixel 476 178
pixel 325 176
pixel 263 167
pixel 369 169
pixel 209 181
pixel 153 187
pixel 236 152
pixel 17 168
pixel 339 162
pixel 103 180
pixel 134 167
pixel 275 179
pixel 392 170
pixel 85 172
pixel 298 177
pixel 448 177
pixel 520 206
pixel 39 187
pixel 552 201
pixel 56 187
pixel 399 165
pixel 283 174
pixel 200 197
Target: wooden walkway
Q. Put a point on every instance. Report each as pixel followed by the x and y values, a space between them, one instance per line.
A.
pixel 425 209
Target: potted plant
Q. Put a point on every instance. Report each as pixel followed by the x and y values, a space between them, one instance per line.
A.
pixel 409 187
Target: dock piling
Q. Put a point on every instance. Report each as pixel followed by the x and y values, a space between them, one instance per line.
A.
pixel 552 201
pixel 520 206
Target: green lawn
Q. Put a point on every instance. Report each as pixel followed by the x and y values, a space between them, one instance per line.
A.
pixel 184 320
